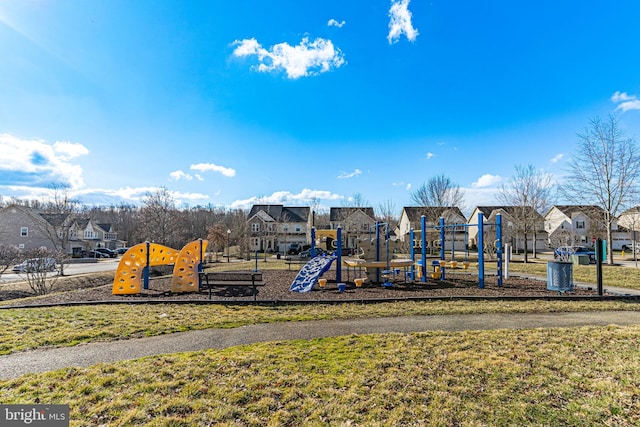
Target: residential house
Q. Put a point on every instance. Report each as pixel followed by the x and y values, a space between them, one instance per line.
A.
pixel 274 228
pixel 581 225
pixel 357 223
pixel 28 228
pixel 411 219
pixel 513 230
pixel 630 220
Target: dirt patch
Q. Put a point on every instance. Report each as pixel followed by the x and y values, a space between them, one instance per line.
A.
pixel 98 287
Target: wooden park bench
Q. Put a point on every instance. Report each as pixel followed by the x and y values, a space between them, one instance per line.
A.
pixel 226 279
pixel 297 263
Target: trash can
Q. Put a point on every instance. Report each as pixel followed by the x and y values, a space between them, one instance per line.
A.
pixel 560 276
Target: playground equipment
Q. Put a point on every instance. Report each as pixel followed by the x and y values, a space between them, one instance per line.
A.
pixel 132 273
pixel 310 272
pixel 442 227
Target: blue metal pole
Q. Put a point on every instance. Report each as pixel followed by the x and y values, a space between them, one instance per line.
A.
pixel 499 246
pixel 339 255
pixel 423 267
pixel 312 251
pixel 199 268
pixel 412 251
pixel 386 241
pixel 442 236
pixel 480 251
pixel 145 271
pixel 377 251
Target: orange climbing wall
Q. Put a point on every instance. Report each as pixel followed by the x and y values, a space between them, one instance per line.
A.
pixel 128 278
pixel 185 270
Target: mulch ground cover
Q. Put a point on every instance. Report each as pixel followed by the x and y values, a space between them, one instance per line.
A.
pixel 278 283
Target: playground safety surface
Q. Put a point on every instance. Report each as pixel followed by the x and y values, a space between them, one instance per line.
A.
pixel 278 282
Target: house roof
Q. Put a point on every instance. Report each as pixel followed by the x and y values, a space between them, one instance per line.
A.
pixel 414 213
pixel 512 211
pixel 282 213
pixel 105 226
pixel 631 211
pixel 340 214
pixel 55 219
pixel 589 210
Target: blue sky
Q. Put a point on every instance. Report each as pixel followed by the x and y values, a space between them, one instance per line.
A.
pixel 235 103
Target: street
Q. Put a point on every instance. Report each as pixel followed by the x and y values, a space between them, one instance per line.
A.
pixel 71 269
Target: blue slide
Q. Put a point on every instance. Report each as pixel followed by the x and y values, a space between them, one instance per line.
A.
pixel 310 272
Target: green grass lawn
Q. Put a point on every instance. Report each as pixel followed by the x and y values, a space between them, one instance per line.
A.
pixel 574 376
pixel 612 275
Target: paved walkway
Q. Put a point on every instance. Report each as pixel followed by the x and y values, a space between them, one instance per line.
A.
pixel 15 365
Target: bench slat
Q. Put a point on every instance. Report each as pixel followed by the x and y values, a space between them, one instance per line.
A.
pixel 215 279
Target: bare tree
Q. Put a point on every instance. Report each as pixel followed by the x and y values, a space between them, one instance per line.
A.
pixel 604 171
pixel 356 201
pixel 9 255
pixel 39 265
pixel 217 236
pixel 58 213
pixel 438 191
pixel 159 217
pixel 387 212
pixel 528 192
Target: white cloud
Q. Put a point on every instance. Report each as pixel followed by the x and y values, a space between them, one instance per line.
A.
pixel 430 155
pixel 333 23
pixel 136 194
pixel 629 105
pixel 475 196
pixel 69 150
pixel 178 175
pixel 400 22
pixel 306 59
pixel 557 158
pixel 345 175
pixel 625 101
pixel 38 164
pixel 408 186
pixel 621 97
pixel 285 197
pixel 486 180
pixel 204 167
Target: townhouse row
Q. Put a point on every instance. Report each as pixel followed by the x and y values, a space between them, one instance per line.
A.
pixel 276 228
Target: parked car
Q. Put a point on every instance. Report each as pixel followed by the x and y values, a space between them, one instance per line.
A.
pixel 307 253
pixel 97 254
pixel 565 252
pixel 35 264
pixel 629 247
pixel 108 252
pixel 121 251
pixel 294 249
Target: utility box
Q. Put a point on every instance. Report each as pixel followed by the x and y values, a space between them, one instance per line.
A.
pixel 580 259
pixel 560 276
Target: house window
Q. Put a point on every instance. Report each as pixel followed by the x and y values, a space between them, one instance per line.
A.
pixel 24 231
pixel 255 227
pixel 298 228
pixel 580 224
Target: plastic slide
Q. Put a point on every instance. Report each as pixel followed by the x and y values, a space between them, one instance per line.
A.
pixel 310 272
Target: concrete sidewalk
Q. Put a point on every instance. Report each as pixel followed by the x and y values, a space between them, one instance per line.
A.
pixel 18 364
